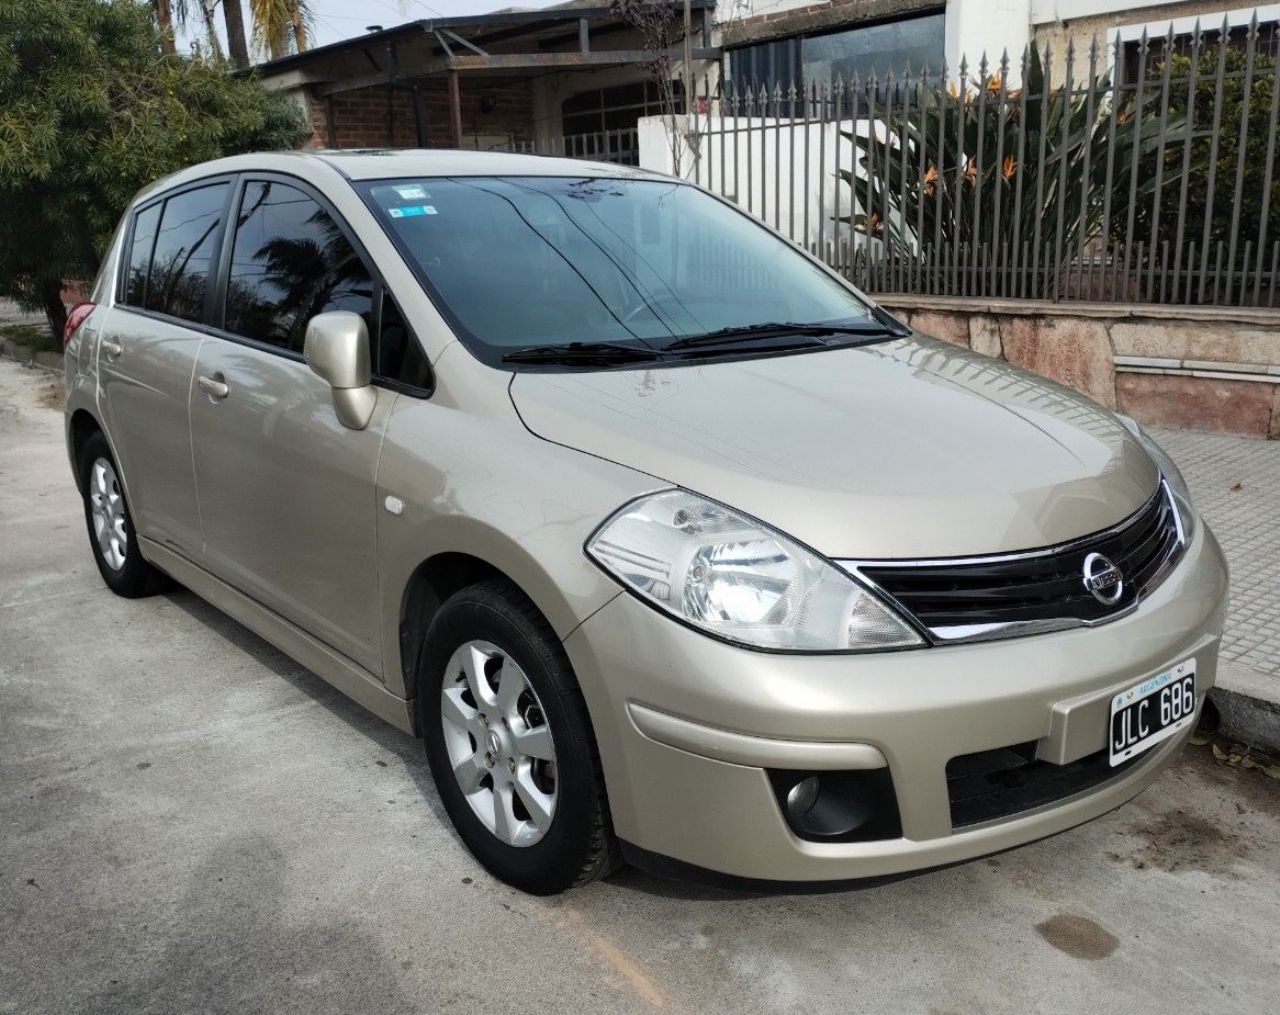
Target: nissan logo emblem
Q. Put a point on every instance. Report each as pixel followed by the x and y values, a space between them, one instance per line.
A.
pixel 1103 579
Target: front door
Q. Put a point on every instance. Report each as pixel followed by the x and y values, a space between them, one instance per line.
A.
pixel 286 492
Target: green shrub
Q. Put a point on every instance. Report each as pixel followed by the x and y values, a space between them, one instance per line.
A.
pixel 91 109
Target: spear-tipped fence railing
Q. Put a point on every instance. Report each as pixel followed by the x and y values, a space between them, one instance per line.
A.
pixel 1133 172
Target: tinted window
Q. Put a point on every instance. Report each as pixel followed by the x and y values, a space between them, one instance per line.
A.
pixel 400 357
pixel 144 234
pixel 290 262
pixel 184 252
pixel 546 260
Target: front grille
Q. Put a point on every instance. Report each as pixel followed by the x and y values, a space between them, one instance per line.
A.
pixel 998 784
pixel 967 597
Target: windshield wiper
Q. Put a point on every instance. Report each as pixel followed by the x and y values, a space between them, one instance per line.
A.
pixel 780 329
pixel 604 353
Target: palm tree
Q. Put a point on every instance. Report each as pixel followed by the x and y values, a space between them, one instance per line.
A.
pixel 164 19
pixel 233 17
pixel 281 26
pixel 182 11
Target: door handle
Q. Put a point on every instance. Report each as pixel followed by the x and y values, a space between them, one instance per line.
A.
pixel 112 349
pixel 213 387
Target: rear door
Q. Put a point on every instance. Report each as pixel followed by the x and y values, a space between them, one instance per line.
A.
pixel 287 493
pixel 147 353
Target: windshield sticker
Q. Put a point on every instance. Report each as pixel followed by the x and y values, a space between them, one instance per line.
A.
pixel 412 193
pixel 413 211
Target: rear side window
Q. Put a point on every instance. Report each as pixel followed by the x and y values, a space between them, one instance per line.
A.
pixel 184 250
pixel 144 236
pixel 290 262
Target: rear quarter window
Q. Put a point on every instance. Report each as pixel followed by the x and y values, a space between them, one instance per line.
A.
pixel 171 251
pixel 139 257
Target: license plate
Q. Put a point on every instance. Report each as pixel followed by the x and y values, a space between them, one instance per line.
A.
pixel 1152 711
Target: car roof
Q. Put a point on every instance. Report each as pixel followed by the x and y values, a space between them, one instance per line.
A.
pixel 372 164
pixel 376 164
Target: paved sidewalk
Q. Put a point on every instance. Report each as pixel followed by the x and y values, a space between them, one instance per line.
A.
pixel 11 314
pixel 1236 484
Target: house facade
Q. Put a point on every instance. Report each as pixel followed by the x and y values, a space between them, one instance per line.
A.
pixel 578 76
pixel 785 40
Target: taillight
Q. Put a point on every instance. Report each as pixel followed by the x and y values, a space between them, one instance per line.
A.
pixel 79 313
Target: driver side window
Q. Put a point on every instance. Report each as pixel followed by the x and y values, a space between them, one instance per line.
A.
pixel 290 260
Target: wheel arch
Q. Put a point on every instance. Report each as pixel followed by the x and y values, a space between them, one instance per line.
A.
pixel 565 594
pixel 81 425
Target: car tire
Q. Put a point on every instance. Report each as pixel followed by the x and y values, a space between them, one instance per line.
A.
pixel 110 525
pixel 496 737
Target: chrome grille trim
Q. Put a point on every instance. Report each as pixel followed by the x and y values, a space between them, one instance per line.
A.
pixel 1163 524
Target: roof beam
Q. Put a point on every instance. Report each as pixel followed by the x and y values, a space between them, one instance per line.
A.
pixel 512 61
pixel 593 58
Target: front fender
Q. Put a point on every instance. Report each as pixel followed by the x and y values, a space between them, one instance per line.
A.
pixel 488 488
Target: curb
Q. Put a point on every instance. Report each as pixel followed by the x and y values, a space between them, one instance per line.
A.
pixel 1248 704
pixel 51 361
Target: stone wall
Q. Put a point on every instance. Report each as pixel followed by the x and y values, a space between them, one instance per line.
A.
pixel 1199 368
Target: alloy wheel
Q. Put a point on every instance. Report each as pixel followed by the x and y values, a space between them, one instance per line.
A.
pixel 499 744
pixel 106 505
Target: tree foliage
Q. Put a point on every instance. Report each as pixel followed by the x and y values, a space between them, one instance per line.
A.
pixel 1215 146
pixel 281 26
pixel 92 109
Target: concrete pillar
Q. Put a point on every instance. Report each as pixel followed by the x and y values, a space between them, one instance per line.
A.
pixel 975 27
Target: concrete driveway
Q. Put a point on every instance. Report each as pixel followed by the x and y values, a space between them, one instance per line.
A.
pixel 191 822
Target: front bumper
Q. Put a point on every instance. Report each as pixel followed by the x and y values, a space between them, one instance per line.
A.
pixel 688 727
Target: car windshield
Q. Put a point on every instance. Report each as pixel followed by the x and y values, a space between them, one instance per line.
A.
pixel 525 262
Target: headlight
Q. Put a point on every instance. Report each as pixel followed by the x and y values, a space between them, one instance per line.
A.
pixel 1172 476
pixel 733 578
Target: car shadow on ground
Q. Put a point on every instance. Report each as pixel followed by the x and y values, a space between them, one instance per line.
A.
pixel 406 748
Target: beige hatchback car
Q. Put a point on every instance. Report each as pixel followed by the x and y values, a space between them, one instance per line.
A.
pixel 669 543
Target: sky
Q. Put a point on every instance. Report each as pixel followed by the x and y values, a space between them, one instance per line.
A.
pixel 342 19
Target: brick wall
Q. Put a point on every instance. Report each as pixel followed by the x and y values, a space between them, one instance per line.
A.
pixel 379 116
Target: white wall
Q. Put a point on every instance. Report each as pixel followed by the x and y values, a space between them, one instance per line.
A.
pixel 990 27
pixel 778 192
pixel 1045 12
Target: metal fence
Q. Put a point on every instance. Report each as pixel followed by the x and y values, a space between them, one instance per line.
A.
pixel 618 146
pixel 1134 172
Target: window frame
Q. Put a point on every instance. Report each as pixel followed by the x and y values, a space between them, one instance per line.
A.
pixel 214 317
pixel 161 199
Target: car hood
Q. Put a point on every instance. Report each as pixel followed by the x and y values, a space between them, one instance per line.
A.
pixel 911 448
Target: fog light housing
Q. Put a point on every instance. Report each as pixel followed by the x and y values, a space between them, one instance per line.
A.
pixel 838 806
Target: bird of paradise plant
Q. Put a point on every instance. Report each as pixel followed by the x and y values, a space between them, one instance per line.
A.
pixel 986 167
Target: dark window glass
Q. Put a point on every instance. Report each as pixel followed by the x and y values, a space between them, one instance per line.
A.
pixel 144 234
pixel 290 262
pixel 1267 46
pixel 820 60
pixel 184 252
pixel 589 116
pixel 874 50
pixel 400 357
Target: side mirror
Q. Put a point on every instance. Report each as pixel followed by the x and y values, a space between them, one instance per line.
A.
pixel 336 348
